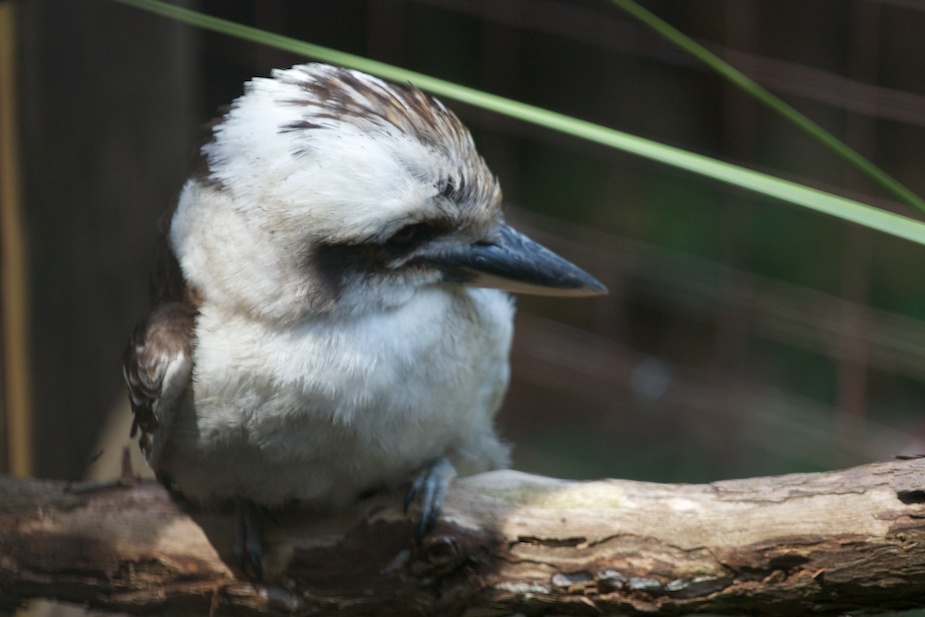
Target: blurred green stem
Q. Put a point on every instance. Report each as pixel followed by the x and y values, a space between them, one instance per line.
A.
pixel 820 201
pixel 754 90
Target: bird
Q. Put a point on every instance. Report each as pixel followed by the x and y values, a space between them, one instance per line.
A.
pixel 330 309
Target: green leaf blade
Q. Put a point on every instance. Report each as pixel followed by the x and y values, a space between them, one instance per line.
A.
pixel 783 190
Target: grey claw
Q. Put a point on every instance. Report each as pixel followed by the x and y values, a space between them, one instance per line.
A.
pixel 429 489
pixel 248 548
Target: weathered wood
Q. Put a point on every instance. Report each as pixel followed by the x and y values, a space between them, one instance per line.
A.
pixel 506 542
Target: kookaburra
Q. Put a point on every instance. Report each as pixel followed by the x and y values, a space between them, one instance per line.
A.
pixel 329 314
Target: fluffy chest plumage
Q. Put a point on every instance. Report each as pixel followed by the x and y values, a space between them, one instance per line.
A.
pixel 328 408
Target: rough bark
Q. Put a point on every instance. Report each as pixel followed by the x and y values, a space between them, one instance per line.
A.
pixel 506 542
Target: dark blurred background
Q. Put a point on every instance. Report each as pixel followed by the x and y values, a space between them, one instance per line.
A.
pixel 741 337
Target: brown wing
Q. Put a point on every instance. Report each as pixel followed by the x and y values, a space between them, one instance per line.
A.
pixel 157 368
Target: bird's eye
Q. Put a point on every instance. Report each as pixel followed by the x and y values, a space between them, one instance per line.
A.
pixel 413 233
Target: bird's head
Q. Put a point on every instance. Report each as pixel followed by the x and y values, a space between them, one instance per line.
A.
pixel 325 189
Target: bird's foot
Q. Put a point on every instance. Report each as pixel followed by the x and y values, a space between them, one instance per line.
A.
pixel 429 489
pixel 248 547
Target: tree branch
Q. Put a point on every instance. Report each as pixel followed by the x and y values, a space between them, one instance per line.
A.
pixel 506 542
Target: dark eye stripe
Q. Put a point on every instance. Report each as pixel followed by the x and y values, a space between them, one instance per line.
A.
pixel 335 264
pixel 413 234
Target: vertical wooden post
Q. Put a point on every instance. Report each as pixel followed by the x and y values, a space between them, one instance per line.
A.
pixel 15 412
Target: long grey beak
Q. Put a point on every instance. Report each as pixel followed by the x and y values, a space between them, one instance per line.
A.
pixel 516 263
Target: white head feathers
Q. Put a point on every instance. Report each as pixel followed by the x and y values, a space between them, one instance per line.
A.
pixel 321 155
